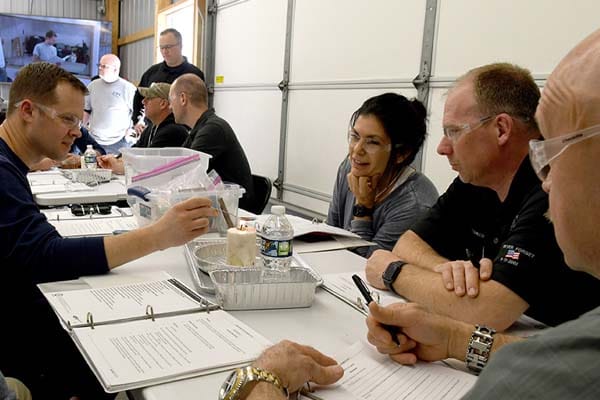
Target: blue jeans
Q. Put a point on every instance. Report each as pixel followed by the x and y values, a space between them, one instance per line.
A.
pixel 3 77
pixel 114 148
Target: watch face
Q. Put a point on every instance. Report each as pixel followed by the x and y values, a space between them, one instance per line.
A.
pixel 228 385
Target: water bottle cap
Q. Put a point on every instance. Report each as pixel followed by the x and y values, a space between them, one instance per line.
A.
pixel 278 210
pixel 89 146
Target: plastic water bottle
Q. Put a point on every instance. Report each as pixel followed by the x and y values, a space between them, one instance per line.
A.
pixel 276 241
pixel 89 157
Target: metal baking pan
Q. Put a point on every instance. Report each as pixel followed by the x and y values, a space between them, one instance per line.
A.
pixel 200 275
pixel 259 288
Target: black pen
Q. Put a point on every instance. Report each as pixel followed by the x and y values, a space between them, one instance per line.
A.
pixel 362 287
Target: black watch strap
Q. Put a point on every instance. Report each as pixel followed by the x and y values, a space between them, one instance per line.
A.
pixel 391 273
pixel 358 210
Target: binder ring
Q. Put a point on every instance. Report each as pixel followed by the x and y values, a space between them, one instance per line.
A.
pixel 90 319
pixel 150 312
pixel 376 297
pixel 361 304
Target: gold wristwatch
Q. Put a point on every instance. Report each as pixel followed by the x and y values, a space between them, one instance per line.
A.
pixel 241 381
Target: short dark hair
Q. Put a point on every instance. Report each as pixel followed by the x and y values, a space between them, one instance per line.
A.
pixel 403 120
pixel 173 31
pixel 38 82
pixel 50 34
pixel 505 88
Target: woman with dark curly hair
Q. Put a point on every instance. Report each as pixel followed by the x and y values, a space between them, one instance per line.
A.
pixel 377 194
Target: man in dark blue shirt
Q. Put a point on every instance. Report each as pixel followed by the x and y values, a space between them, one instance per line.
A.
pixel 43 120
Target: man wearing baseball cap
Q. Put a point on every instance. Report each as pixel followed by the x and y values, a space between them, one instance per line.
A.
pixel 163 132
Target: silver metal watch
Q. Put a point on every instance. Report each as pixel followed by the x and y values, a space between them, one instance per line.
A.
pixel 480 345
pixel 241 381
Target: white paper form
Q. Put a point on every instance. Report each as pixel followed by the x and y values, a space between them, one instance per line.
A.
pixel 303 226
pixel 143 351
pixel 61 188
pixel 342 286
pixel 95 226
pixel 370 375
pixel 123 302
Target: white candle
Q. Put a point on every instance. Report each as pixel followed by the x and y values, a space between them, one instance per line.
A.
pixel 241 246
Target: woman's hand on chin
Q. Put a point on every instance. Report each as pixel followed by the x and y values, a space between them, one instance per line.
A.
pixel 364 188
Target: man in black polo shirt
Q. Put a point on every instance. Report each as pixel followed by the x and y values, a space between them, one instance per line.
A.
pixel 492 215
pixel 210 134
pixel 173 66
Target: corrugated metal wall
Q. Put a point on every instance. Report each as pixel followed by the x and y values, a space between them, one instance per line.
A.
pixel 136 15
pixel 136 57
pixel 86 9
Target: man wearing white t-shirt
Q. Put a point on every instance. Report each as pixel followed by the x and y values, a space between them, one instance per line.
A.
pixel 46 51
pixel 109 105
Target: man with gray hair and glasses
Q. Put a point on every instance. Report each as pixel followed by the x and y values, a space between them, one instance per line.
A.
pixel 485 252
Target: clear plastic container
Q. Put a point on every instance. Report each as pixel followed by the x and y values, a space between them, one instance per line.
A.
pixel 276 236
pixel 226 201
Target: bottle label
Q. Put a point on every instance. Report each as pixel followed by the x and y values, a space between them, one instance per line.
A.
pixel 90 158
pixel 275 248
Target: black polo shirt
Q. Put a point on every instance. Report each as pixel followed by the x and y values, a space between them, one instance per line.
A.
pixel 161 72
pixel 469 221
pixel 214 136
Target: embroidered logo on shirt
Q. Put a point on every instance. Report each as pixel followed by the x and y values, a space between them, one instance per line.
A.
pixel 512 255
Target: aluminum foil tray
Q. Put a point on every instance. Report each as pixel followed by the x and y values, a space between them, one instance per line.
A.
pixel 212 258
pixel 259 289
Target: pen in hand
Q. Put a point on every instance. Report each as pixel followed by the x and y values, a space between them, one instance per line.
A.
pixel 362 287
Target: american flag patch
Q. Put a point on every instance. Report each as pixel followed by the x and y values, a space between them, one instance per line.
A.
pixel 513 255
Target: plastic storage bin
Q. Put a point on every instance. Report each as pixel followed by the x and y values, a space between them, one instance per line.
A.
pixel 226 201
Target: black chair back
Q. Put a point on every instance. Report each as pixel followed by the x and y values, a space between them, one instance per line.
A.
pixel 262 193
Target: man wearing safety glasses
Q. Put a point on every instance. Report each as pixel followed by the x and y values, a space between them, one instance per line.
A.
pixel 485 252
pixel 43 120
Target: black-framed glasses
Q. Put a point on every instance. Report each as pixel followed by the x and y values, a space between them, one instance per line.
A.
pixel 79 210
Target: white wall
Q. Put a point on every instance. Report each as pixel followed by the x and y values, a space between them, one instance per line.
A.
pixel 334 67
pixel 344 51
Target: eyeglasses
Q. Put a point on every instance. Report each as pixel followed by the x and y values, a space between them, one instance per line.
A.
pixel 454 132
pixel 542 152
pixel 68 120
pixel 370 145
pixel 105 66
pixel 168 46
